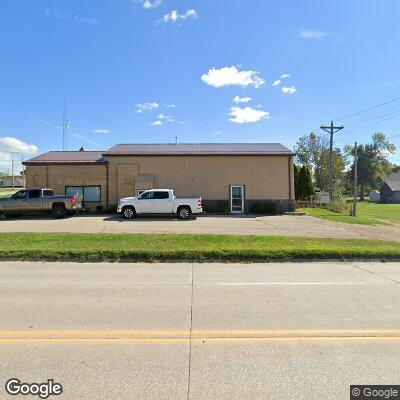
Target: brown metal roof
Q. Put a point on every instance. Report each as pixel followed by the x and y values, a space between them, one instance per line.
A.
pixel 200 149
pixel 68 157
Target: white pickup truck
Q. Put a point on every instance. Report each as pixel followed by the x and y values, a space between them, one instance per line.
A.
pixel 159 201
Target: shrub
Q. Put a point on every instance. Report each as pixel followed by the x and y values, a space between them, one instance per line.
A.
pixel 208 208
pixel 339 204
pixel 268 207
pixel 222 206
pixel 256 208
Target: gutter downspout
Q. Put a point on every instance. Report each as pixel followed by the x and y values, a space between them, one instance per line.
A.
pixel 107 189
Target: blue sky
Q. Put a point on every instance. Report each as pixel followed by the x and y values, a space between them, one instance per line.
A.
pixel 182 63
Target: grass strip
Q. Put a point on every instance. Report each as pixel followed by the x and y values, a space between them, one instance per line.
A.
pixel 168 247
pixel 336 217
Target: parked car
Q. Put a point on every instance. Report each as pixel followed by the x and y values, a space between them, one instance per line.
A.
pixel 39 201
pixel 159 201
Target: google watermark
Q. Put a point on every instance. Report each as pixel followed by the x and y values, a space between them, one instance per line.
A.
pixel 44 390
pixel 74 18
pixel 374 392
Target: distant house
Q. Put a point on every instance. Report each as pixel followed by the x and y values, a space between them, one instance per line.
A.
pixel 390 189
pixel 7 181
pixel 375 196
pixel 321 197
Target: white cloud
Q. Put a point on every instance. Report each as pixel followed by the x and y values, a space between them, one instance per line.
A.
pixel 84 138
pixel 167 118
pixel 169 105
pixel 247 114
pixel 102 131
pixel 284 76
pixel 156 123
pixel 238 99
pixel 217 133
pixel 142 107
pixel 314 34
pixel 10 144
pixel 149 4
pixel 289 89
pixel 277 82
pixel 175 17
pixel 229 76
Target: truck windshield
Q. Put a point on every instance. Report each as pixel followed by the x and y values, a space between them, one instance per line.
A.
pixel 19 195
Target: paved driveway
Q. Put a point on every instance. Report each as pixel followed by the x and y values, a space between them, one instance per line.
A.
pixel 239 225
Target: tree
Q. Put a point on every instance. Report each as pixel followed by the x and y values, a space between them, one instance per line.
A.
pixel 313 151
pixel 373 166
pixel 338 175
pixel 306 189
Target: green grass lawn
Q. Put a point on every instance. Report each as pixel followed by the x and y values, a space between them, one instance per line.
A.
pixel 156 247
pixel 368 213
pixel 7 192
pixel 336 217
pixel 379 211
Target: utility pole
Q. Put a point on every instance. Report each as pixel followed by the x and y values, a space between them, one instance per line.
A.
pixel 12 172
pixel 331 129
pixel 65 127
pixel 355 179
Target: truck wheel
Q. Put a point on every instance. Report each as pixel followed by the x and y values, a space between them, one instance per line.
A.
pixel 128 212
pixel 184 213
pixel 59 212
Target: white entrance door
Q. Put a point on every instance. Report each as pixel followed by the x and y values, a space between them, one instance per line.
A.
pixel 237 199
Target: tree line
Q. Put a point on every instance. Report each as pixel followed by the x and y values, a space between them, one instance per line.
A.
pixel 312 165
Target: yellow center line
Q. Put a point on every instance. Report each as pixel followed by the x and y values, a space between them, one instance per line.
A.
pixel 200 336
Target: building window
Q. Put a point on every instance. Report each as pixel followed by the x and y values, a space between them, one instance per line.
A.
pixel 89 194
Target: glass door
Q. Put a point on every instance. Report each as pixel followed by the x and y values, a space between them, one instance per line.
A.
pixel 237 199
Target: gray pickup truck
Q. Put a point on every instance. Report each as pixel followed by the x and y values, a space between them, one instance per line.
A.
pixel 35 201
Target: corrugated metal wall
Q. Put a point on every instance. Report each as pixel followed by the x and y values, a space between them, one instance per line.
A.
pixel 209 177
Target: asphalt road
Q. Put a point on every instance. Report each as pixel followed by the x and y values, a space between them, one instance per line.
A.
pixel 200 331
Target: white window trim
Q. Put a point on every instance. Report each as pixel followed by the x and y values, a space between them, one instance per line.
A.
pixel 231 198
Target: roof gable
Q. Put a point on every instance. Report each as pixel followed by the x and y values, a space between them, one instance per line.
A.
pixel 393 181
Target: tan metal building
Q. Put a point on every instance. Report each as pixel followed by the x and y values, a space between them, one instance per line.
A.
pixel 231 177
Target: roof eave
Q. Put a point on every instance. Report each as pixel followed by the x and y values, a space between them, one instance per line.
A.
pixel 197 154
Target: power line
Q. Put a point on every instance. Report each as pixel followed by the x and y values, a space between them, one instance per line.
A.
pixel 372 123
pixel 372 118
pixel 367 109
